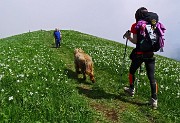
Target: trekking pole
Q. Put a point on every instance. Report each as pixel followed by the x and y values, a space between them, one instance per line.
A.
pixel 138 78
pixel 123 58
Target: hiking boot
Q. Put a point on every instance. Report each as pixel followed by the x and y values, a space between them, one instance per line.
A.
pixel 153 103
pixel 129 91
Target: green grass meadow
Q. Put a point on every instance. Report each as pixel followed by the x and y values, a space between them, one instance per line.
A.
pixel 38 83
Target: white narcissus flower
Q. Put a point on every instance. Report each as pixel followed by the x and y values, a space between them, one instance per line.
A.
pixel 31 93
pixel 1 76
pixel 10 98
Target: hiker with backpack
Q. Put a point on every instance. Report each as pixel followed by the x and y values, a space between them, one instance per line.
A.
pixel 147 34
pixel 57 37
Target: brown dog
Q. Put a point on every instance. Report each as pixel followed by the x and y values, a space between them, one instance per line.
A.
pixel 83 64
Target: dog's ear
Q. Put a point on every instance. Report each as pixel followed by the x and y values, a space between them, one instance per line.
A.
pixel 75 50
pixel 80 50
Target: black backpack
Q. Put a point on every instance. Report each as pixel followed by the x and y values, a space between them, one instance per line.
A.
pixel 149 41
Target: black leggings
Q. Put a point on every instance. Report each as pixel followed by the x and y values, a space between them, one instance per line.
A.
pixel 150 69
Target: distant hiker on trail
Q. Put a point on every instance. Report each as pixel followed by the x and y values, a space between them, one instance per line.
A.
pixel 57 36
pixel 143 51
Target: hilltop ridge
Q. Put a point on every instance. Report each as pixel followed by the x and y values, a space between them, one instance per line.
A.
pixel 38 82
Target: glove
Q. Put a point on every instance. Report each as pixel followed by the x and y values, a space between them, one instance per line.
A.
pixel 127 34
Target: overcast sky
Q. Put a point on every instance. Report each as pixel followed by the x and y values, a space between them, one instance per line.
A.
pixel 108 19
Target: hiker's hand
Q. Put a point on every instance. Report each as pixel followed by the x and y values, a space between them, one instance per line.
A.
pixel 127 34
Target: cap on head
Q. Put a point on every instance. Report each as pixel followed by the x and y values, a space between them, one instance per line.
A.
pixel 56 29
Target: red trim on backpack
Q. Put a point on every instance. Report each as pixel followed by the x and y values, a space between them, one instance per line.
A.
pixel 140 53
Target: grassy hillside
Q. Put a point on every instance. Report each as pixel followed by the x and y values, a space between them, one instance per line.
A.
pixel 38 82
